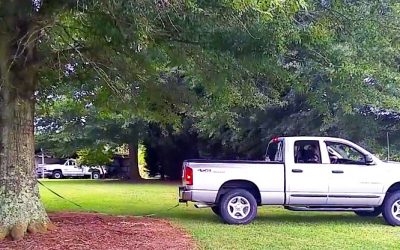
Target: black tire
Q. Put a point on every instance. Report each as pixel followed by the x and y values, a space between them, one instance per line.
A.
pixel 96 175
pixel 375 213
pixel 246 199
pixel 390 208
pixel 216 210
pixel 57 175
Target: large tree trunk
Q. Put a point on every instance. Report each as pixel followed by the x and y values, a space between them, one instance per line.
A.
pixel 20 207
pixel 134 173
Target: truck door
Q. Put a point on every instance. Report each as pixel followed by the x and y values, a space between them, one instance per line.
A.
pixel 306 176
pixel 71 169
pixel 66 169
pixel 76 170
pixel 352 181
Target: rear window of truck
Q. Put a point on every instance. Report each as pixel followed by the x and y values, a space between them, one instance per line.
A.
pixel 274 152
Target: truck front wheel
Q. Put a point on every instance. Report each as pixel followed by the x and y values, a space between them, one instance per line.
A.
pixel 57 174
pixel 391 208
pixel 238 206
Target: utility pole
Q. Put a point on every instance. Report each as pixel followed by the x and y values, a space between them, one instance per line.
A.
pixel 42 163
pixel 388 146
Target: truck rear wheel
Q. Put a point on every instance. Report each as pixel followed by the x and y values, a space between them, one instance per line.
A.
pixel 95 175
pixel 391 208
pixel 238 206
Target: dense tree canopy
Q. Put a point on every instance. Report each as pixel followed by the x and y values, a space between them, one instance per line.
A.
pixel 242 73
pixel 197 61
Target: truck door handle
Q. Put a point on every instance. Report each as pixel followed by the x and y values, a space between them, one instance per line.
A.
pixel 297 170
pixel 337 171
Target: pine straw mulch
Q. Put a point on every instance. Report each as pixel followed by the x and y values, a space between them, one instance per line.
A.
pixel 98 231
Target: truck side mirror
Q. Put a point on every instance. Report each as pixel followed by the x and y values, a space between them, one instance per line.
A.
pixel 369 160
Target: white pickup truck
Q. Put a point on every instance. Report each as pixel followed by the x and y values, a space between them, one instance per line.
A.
pixel 301 174
pixel 70 168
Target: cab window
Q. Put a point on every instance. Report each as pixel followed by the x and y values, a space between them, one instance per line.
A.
pixel 340 153
pixel 307 152
pixel 70 163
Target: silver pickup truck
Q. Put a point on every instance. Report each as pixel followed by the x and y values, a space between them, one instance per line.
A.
pixel 299 173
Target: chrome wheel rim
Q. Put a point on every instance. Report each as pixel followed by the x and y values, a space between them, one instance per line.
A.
pixel 238 207
pixel 57 175
pixel 396 210
pixel 95 176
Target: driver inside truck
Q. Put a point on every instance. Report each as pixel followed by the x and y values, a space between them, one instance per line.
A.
pixel 312 155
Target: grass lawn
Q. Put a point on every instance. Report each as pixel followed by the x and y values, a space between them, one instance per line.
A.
pixel 274 227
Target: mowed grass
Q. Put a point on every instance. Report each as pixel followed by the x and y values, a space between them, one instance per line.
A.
pixel 274 227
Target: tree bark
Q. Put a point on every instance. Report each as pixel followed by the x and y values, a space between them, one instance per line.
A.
pixel 21 210
pixel 134 173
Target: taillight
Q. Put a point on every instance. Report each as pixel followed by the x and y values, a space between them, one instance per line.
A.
pixel 275 139
pixel 188 175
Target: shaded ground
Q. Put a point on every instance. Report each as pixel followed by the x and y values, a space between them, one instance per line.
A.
pixel 95 231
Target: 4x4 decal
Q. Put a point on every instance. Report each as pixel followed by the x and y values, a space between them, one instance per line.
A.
pixel 205 170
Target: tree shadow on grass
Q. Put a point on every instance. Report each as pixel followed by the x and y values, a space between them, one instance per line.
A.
pixel 193 216
pixel 319 218
pixel 295 218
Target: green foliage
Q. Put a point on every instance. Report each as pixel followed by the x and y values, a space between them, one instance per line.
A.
pixel 95 157
pixel 141 156
pixel 123 65
pixel 240 71
pixel 166 149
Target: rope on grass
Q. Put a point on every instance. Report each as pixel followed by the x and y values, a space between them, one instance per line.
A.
pixel 158 212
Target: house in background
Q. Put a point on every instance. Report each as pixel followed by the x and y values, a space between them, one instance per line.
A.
pixel 45 158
